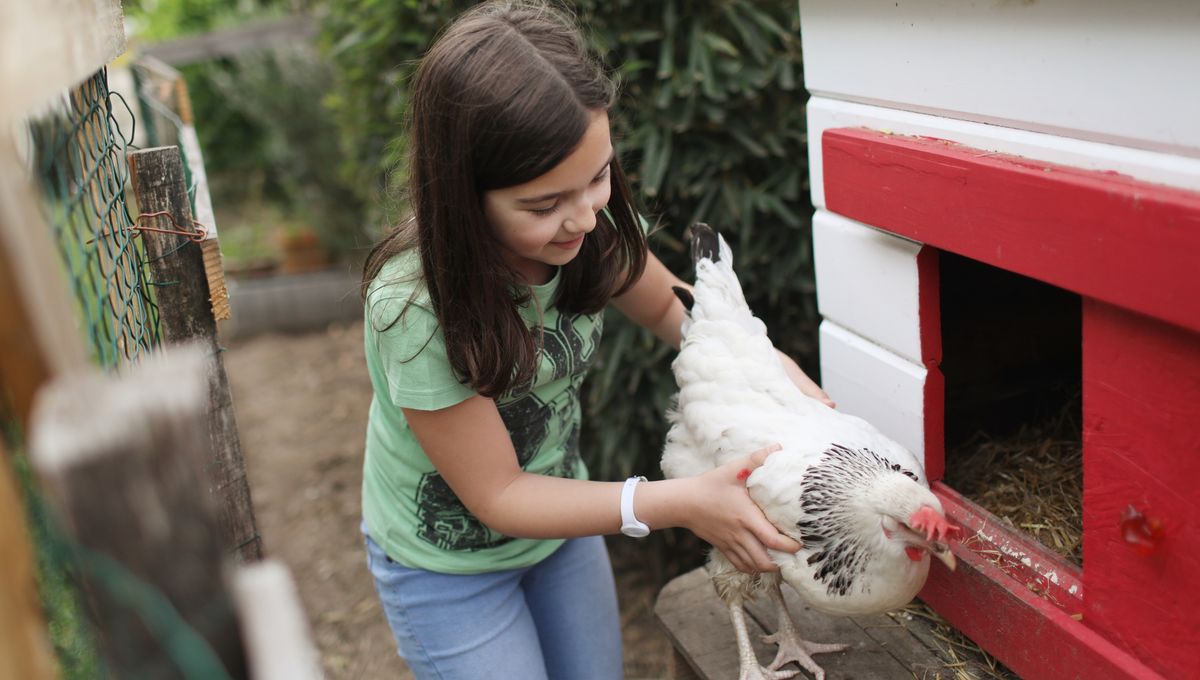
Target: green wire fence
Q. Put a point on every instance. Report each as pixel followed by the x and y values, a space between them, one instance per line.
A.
pixel 79 156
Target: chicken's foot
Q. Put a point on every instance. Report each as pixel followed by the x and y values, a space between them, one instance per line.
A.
pixel 748 666
pixel 791 646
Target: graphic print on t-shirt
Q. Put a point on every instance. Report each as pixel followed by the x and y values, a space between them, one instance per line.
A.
pixel 533 423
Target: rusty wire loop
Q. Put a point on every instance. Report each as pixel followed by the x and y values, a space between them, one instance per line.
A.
pixel 195 236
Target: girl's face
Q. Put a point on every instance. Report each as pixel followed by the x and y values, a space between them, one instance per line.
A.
pixel 541 224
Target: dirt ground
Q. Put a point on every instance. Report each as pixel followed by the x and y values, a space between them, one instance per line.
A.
pixel 301 403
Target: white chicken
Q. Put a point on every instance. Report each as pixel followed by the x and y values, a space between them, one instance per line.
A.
pixel 857 501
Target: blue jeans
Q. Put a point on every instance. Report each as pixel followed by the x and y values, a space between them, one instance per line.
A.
pixel 556 620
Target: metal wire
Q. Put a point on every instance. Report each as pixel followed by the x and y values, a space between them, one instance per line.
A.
pixel 80 162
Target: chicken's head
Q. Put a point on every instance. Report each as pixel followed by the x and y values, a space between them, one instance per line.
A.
pixel 912 520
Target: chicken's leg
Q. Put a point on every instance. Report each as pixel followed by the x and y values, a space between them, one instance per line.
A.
pixel 748 668
pixel 791 646
pixel 733 587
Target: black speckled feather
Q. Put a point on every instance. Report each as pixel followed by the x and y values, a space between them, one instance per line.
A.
pixel 837 558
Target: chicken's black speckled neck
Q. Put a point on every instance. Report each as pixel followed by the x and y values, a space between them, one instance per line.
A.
pixel 842 474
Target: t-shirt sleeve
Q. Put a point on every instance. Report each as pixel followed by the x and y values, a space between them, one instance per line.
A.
pixel 412 355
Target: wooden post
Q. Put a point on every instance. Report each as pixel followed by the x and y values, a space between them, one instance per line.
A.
pixel 119 458
pixel 274 626
pixel 48 46
pixel 24 649
pixel 185 314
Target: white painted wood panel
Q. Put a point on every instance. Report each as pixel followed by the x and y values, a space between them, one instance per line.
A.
pixel 1148 166
pixel 872 383
pixel 1106 70
pixel 48 46
pixel 867 282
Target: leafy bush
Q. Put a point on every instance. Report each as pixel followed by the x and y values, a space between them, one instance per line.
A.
pixel 710 126
pixel 279 92
pixel 270 144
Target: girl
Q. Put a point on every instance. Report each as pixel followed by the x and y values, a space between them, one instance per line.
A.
pixel 482 314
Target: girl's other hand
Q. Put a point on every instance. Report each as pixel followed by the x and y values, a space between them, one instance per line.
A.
pixel 726 517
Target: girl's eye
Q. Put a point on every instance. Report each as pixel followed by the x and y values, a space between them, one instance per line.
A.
pixel 542 212
pixel 602 176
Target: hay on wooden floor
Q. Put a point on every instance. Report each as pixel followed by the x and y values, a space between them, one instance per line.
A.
pixel 1032 479
pixel 962 658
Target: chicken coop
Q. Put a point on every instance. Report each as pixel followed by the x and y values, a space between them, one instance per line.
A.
pixel 1007 246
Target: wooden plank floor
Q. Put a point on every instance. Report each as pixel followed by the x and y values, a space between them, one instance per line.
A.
pixel 698 626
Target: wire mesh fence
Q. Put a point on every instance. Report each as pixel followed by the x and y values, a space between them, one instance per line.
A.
pixel 78 153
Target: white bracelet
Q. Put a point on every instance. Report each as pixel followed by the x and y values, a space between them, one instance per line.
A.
pixel 630 526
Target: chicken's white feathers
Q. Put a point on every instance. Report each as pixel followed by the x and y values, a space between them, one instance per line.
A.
pixel 836 475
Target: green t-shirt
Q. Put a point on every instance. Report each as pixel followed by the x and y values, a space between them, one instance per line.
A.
pixel 409 509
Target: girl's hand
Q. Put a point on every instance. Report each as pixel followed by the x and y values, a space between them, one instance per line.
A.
pixel 805 383
pixel 726 517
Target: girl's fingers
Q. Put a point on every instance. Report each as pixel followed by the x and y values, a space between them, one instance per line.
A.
pixel 760 456
pixel 773 539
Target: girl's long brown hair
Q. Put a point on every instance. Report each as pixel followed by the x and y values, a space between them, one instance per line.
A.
pixel 502 97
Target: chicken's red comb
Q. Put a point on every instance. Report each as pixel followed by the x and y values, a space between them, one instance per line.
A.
pixel 933 523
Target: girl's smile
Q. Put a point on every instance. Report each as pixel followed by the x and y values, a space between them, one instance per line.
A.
pixel 541 224
pixel 569 245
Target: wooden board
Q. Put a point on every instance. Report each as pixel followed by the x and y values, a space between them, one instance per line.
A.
pixel 1021 615
pixel 1106 70
pixel 1141 407
pixel 49 46
pixel 1148 166
pixel 697 624
pixel 185 315
pixel 1102 235
pixel 39 337
pixel 867 283
pixel 872 383
pixel 25 650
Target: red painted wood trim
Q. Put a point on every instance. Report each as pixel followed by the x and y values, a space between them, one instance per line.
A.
pixel 1141 407
pixel 1029 633
pixel 1100 234
pixel 929 311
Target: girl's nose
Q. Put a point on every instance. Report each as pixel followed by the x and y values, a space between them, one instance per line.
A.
pixel 582 221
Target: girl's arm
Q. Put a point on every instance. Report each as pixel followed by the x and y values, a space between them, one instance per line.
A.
pixel 652 304
pixel 471 449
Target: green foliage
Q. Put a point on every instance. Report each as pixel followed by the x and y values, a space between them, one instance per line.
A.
pixel 155 20
pixel 269 142
pixel 374 46
pixel 710 127
pixel 295 150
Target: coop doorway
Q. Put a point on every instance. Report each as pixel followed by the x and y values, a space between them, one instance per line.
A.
pixel 1012 363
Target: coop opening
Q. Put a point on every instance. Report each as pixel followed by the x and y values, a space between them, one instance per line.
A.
pixel 1012 362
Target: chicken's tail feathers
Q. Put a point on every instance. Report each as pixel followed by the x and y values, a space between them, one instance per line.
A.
pixel 718 293
pixel 705 243
pixel 685 296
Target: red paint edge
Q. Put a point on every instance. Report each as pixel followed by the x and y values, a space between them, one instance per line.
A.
pixel 929 311
pixel 1100 234
pixel 1027 633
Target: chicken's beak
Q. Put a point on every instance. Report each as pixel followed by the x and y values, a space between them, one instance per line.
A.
pixel 942 552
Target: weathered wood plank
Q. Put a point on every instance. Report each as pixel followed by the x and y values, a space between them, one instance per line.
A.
pixel 51 45
pixel 698 626
pixel 185 315
pixel 232 41
pixel 24 649
pixel 119 459
pixel 864 659
pixel 39 338
pixel 275 627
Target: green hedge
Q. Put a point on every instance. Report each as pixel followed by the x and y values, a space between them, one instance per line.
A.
pixel 711 127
